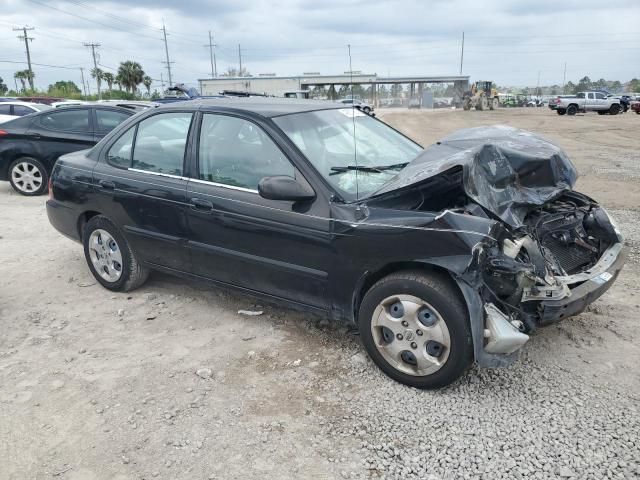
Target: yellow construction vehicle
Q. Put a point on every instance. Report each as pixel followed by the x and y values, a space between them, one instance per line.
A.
pixel 482 96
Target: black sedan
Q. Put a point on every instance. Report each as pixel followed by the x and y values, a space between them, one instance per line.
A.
pixel 441 256
pixel 30 146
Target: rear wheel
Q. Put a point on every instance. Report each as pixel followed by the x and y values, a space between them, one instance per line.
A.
pixel 466 104
pixel 415 327
pixel 482 103
pixel 110 259
pixel 572 110
pixel 28 176
pixel 614 109
pixel 561 111
pixel 494 103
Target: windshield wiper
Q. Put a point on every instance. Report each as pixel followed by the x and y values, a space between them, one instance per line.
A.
pixel 363 168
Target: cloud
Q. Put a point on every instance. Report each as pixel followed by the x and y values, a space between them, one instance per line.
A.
pixel 510 42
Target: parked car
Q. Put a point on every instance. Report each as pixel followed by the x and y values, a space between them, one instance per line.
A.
pixel 13 110
pixel 359 104
pixel 441 256
pixel 41 100
pixel 588 102
pixel 625 101
pixel 30 146
pixel 635 106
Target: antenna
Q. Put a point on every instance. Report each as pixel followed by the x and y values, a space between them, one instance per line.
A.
pixel 353 119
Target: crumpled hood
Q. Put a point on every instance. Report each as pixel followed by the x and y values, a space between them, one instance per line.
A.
pixel 506 170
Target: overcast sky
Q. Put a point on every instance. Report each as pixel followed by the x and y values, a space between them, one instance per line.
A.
pixel 510 42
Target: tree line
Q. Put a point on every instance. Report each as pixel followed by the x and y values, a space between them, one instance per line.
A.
pixel 127 80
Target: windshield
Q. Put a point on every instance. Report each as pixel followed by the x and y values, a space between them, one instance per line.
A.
pixel 326 138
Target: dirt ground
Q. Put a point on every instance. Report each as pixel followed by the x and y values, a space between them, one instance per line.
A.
pixel 169 381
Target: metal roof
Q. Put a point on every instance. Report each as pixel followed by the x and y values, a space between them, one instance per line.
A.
pixel 347 78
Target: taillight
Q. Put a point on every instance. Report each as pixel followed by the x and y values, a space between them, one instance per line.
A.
pixel 2 132
pixel 50 187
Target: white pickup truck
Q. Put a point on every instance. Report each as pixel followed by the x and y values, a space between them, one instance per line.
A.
pixel 588 102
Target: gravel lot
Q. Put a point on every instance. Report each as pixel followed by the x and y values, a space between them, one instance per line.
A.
pixel 171 382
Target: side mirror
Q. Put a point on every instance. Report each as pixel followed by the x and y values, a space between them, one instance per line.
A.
pixel 282 187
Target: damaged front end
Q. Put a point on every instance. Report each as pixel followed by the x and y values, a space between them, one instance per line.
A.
pixel 566 254
pixel 551 251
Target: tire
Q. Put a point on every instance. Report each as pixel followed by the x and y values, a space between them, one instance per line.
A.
pixel 495 103
pixel 561 111
pixel 366 110
pixel 614 109
pixel 482 104
pixel 28 176
pixel 96 238
pixel 602 112
pixel 433 295
pixel 572 110
pixel 466 105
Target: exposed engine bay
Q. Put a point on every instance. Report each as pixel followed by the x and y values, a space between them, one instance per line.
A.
pixel 540 260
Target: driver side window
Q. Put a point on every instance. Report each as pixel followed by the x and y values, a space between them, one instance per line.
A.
pixel 236 152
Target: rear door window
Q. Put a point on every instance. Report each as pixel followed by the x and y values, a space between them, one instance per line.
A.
pixel 109 119
pixel 21 110
pixel 66 120
pixel 5 109
pixel 161 143
pixel 119 155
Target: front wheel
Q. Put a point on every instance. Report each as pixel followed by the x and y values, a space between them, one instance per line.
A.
pixel 28 176
pixel 572 110
pixel 415 328
pixel 110 259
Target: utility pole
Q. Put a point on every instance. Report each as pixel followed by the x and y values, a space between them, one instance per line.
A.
pixel 84 87
pixel 93 47
pixel 27 39
pixel 240 58
pixel 564 77
pixel 166 51
pixel 162 82
pixel 212 56
pixel 462 53
pixel 538 86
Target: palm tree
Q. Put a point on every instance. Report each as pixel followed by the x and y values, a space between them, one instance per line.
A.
pixel 22 76
pixel 98 74
pixel 131 75
pixel 110 79
pixel 146 81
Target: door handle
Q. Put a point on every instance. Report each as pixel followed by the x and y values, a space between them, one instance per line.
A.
pixel 201 205
pixel 107 185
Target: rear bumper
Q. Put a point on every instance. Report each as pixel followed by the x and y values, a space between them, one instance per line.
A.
pixel 584 293
pixel 64 219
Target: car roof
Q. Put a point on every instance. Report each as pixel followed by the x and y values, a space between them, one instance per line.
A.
pixel 29 104
pixel 267 107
